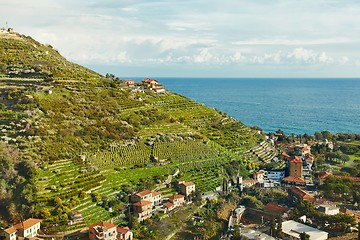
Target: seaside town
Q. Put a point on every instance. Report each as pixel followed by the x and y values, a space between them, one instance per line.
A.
pixel 294 194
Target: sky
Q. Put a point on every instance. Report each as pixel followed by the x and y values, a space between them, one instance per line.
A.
pixel 197 38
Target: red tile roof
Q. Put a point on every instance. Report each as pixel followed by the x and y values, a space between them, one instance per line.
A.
pixel 356 179
pixel 285 154
pixel 187 184
pixel 293 179
pixel 302 194
pixel 295 159
pixel 323 175
pixel 155 194
pixel 27 223
pixel 10 230
pixel 143 193
pixel 142 203
pixel 168 205
pixel 123 230
pixel 105 225
pixel 276 208
pixel 177 196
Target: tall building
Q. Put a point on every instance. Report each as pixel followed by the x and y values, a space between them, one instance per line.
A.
pixel 295 167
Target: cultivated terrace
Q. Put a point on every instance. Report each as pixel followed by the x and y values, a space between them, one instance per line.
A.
pixel 71 138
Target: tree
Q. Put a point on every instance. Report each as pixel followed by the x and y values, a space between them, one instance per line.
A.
pixel 304 236
pixel 44 213
pixel 327 135
pixel 236 233
pixel 318 136
pixel 279 227
pixel 272 226
pixel 57 202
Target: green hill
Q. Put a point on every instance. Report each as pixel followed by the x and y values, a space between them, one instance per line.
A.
pixel 69 133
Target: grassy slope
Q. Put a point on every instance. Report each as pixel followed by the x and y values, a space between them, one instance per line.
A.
pixel 111 128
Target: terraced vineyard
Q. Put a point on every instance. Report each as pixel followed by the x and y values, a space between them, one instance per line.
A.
pixel 64 179
pixel 118 130
pixel 183 151
pixel 120 156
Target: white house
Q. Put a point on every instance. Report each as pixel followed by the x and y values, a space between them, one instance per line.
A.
pixel 292 229
pixel 328 209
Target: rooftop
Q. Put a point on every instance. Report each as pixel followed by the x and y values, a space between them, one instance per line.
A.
pixel 10 230
pixel 168 205
pixel 324 174
pixel 177 196
pixel 103 225
pixel 295 159
pixel 155 194
pixel 188 184
pixel 142 203
pixel 27 223
pixel 294 229
pixel 276 208
pixel 144 193
pixel 301 193
pixel 123 230
pixel 294 179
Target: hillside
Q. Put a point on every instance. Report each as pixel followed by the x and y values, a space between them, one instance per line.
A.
pixel 71 137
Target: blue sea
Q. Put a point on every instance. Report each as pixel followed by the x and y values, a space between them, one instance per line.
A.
pixel 296 106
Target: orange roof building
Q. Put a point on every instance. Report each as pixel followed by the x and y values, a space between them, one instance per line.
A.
pixel 294 180
pixel 28 228
pixel 177 200
pixel 125 233
pixel 295 166
pixel 276 208
pixel 298 193
pixel 186 188
pixel 103 231
pixel 10 233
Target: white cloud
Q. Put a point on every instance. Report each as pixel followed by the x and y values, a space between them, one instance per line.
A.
pixel 303 55
pixel 195 33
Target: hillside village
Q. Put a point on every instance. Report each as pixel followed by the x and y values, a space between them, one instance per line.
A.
pixel 296 179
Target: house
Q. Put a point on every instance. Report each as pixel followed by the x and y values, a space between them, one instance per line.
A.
pixel 169 206
pixel 130 83
pixel 143 209
pixel 186 188
pixel 251 234
pixel 293 180
pixel 305 149
pixel 143 195
pixel 275 208
pixel 292 229
pixel 159 89
pixel 351 212
pixel 177 200
pixel 10 233
pixel 295 166
pixel 28 228
pixel 276 175
pixel 298 194
pixel 75 217
pixel 156 198
pixel 328 209
pixel 103 231
pixel 248 183
pixel 259 175
pixel 150 83
pixel 125 233
pixel 147 195
pixel 322 176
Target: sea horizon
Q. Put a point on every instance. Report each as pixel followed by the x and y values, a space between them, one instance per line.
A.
pixel 294 105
